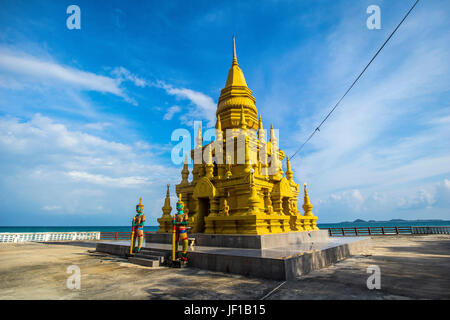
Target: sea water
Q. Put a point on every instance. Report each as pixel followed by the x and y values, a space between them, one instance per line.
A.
pixel 434 223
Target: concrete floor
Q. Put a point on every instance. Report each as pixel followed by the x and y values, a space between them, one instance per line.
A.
pixel 412 267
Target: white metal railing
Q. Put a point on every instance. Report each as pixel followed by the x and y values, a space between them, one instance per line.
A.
pixel 48 236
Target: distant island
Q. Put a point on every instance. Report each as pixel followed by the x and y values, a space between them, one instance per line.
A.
pixel 392 220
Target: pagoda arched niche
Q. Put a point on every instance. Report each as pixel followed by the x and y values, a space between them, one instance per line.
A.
pixel 282 197
pixel 205 203
pixel 281 193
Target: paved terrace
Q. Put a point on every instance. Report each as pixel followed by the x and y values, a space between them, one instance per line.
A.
pixel 412 267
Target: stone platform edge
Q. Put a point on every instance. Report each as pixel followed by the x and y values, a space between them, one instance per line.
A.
pixel 288 268
pixel 246 241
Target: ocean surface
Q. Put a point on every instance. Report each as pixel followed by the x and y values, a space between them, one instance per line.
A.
pixel 155 228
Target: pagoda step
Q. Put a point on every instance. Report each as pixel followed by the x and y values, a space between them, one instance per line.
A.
pixel 144 262
pixel 151 255
pixel 152 252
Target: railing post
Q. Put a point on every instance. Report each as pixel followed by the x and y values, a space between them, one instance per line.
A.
pixel 356 230
pixel 382 230
pixel 396 230
pixel 368 229
pixel 116 235
pixel 343 232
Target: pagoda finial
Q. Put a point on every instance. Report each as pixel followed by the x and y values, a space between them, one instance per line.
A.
pixel 289 173
pixel 235 62
pixel 243 121
pixel 273 139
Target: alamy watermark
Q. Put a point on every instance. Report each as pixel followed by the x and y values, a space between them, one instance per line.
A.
pixel 374 280
pixel 374 20
pixel 74 281
pixel 74 20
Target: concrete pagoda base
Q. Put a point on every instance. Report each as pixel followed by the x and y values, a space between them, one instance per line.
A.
pixel 276 256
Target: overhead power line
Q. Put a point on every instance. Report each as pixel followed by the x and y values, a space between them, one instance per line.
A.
pixel 354 82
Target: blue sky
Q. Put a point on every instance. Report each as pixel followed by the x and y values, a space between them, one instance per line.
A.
pixel 86 115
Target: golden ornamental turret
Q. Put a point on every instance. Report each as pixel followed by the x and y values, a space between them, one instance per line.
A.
pixel 275 167
pixel 185 171
pixel 261 131
pixel 219 133
pixel 310 221
pixel 307 206
pixel 209 166
pixel 289 173
pixel 167 209
pixel 197 156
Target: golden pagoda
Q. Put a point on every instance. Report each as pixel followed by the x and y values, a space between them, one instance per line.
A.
pixel 238 185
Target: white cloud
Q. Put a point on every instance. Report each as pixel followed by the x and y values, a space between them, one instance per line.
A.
pixel 108 181
pixel 19 69
pixel 99 126
pixel 204 106
pixel 31 66
pixel 123 74
pixel 51 208
pixel 425 201
pixel 171 111
pixel 422 199
pixel 45 164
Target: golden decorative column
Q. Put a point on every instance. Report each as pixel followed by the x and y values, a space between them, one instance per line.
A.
pixel 310 220
pixel 165 222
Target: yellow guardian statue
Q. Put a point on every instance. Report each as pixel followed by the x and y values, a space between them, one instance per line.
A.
pixel 238 186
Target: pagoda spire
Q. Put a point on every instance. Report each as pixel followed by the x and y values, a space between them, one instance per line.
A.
pixel 235 95
pixel 235 62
